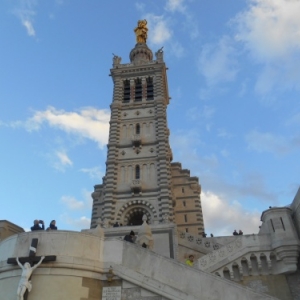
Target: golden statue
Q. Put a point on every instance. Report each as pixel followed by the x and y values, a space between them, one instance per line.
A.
pixel 141 31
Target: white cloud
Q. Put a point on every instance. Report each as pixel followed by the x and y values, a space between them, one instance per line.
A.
pixel 29 26
pixel 159 29
pixel 270 31
pixel 175 5
pixel 217 63
pixel 63 157
pixel 94 173
pixel 81 222
pixel 140 6
pixel 267 142
pixel 26 12
pixel 221 217
pixel 63 160
pixel 88 122
pixel 72 203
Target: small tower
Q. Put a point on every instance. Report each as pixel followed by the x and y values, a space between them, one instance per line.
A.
pixel 138 179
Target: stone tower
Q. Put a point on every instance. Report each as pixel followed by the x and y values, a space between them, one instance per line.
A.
pixel 140 178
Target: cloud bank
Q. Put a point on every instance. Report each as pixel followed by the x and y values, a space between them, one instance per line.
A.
pixel 89 122
pixel 270 32
pixel 222 217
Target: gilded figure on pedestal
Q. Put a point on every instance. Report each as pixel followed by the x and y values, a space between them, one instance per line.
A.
pixel 141 31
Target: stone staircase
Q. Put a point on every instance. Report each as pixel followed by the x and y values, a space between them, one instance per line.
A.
pixel 174 280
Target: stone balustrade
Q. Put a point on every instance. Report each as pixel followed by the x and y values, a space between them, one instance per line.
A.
pixel 206 244
pixel 249 255
pixel 152 62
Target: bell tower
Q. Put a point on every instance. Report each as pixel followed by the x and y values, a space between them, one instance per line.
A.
pixel 139 173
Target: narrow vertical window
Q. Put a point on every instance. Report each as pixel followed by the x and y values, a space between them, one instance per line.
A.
pixel 282 223
pixel 126 89
pixel 272 224
pixel 137 129
pixel 185 218
pixel 184 203
pixel 182 190
pixel 150 94
pixel 138 90
pixel 137 172
pixel 186 230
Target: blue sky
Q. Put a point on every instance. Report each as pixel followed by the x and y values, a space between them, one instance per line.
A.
pixel 234 116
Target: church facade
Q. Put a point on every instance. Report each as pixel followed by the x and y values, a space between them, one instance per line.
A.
pixel 149 194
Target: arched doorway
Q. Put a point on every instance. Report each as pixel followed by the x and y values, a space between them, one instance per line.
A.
pixel 135 219
pixel 132 213
pixel 134 216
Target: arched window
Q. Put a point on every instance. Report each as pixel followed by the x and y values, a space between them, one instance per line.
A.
pixel 126 91
pixel 138 90
pixel 137 128
pixel 150 93
pixel 137 172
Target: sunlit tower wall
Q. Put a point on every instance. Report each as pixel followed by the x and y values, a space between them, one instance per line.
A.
pixel 140 178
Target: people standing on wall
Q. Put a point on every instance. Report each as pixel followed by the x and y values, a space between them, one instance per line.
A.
pixel 52 225
pixel 235 232
pixel 241 232
pixel 36 225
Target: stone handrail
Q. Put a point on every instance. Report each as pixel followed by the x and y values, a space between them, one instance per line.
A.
pixel 234 251
pixel 207 244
